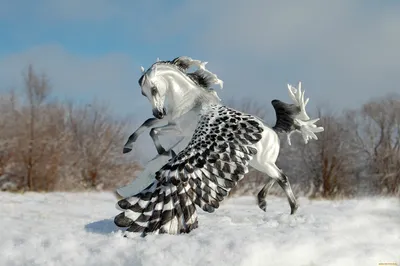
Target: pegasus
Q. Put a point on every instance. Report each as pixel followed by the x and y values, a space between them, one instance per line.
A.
pixel 225 143
pixel 171 123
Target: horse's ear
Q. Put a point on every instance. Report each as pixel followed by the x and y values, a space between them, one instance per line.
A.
pixel 142 79
pixel 142 69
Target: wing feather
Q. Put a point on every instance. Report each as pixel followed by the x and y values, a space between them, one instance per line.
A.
pixel 202 174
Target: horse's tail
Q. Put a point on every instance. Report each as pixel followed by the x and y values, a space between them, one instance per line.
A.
pixel 285 114
pixel 293 117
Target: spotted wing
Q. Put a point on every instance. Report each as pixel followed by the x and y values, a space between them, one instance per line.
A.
pixel 202 174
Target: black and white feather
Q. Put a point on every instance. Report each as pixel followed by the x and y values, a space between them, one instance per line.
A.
pixel 202 174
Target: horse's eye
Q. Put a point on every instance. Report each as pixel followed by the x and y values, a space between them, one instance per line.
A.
pixel 153 90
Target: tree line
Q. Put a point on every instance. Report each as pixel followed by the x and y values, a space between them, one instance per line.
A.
pixel 48 145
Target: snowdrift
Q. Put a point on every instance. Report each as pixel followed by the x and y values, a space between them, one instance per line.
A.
pixel 77 229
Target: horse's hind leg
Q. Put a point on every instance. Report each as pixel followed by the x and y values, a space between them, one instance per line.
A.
pixel 262 203
pixel 274 172
pixel 285 185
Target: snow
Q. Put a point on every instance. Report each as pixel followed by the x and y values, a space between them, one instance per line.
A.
pixel 78 229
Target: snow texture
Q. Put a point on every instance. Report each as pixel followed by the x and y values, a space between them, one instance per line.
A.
pixel 78 229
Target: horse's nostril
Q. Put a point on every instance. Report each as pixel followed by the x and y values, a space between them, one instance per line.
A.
pixel 158 114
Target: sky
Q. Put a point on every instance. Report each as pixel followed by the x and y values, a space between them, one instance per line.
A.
pixel 344 52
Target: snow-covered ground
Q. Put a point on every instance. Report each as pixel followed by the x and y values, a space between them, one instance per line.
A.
pixel 77 229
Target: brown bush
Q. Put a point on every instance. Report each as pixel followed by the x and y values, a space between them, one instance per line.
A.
pixel 49 145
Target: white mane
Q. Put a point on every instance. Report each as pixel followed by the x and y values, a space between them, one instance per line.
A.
pixel 201 77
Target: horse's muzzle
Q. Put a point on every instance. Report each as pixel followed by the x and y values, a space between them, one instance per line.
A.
pixel 159 114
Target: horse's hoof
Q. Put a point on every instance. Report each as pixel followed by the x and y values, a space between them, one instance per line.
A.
pixel 126 150
pixel 263 205
pixel 162 151
pixel 294 209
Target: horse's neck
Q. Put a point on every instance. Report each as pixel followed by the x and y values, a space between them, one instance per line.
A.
pixel 184 96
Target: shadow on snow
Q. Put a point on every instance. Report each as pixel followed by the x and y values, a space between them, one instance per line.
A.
pixel 102 227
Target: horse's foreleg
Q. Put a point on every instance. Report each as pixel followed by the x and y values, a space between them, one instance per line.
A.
pixel 168 129
pixel 132 138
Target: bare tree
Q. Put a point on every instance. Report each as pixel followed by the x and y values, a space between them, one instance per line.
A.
pixel 50 145
pixel 379 129
pixel 98 139
pixel 5 156
pixel 331 159
pixel 37 89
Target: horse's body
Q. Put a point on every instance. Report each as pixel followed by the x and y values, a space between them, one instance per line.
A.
pixel 225 142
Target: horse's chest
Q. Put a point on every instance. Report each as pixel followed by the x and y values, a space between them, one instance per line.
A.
pixel 188 122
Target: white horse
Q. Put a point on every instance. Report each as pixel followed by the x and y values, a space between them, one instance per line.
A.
pixel 175 123
pixel 171 122
pixel 225 142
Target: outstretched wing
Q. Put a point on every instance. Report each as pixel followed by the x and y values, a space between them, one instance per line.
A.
pixel 202 174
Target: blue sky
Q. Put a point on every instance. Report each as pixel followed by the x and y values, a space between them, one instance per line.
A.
pixel 344 52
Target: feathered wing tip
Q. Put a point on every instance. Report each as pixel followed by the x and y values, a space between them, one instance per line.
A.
pixel 159 209
pixel 307 127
